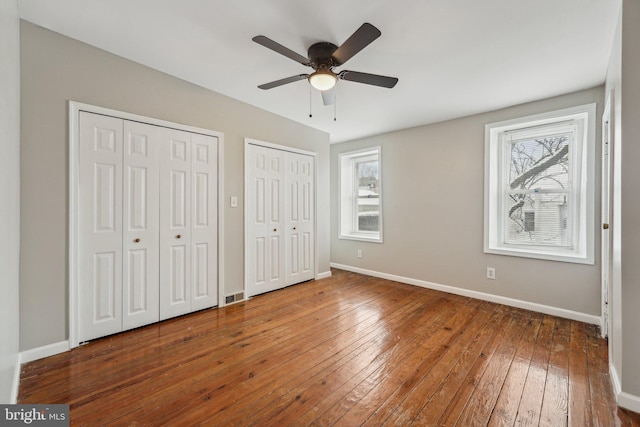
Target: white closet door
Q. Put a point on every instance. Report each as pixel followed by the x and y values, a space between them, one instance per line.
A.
pixel 140 224
pixel 100 226
pixel 299 218
pixel 147 209
pixel 175 223
pixel 204 222
pixel 265 220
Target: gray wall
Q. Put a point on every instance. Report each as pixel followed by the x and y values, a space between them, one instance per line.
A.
pixel 9 192
pixel 55 69
pixel 624 74
pixel 630 198
pixel 433 179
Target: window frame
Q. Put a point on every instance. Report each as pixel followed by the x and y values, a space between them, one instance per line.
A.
pixel 348 190
pixel 582 193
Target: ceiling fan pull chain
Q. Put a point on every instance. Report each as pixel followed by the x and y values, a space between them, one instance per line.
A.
pixel 310 115
pixel 335 104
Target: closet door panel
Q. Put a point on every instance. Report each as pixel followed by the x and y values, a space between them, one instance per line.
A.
pixel 265 220
pixel 307 220
pixel 257 205
pixel 275 219
pixel 294 255
pixel 202 289
pixel 204 230
pixel 300 218
pixel 100 226
pixel 293 218
pixel 178 277
pixel 103 288
pixel 140 224
pixel 175 223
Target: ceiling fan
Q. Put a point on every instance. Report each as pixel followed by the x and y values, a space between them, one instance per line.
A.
pixel 323 57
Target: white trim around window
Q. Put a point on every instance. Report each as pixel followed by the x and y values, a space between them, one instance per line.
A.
pixel 361 196
pixel 562 229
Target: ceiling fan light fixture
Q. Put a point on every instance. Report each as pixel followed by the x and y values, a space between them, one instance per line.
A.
pixel 323 80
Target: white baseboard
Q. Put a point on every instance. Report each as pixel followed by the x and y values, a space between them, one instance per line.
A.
pixel 16 381
pixel 629 401
pixel 323 275
pixel 623 399
pixel 540 308
pixel 615 380
pixel 44 351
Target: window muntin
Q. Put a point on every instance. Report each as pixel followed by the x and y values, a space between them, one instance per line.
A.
pixel 536 188
pixel 360 195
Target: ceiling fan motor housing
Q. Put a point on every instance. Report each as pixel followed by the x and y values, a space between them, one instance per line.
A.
pixel 319 55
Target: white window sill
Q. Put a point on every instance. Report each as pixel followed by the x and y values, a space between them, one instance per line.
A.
pixel 362 238
pixel 540 254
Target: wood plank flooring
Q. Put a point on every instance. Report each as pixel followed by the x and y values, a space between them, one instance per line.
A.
pixel 349 350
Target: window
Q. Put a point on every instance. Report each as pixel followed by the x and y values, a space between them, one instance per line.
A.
pixel 360 195
pixel 530 221
pixel 539 174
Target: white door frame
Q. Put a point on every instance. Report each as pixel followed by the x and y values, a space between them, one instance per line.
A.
pixel 251 141
pixel 605 202
pixel 73 233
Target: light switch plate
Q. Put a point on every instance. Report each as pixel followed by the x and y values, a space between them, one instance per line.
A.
pixel 234 202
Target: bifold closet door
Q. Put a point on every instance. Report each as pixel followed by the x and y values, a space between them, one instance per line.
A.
pixel 280 219
pixel 299 218
pixel 118 225
pixel 188 223
pixel 265 220
pixel 140 224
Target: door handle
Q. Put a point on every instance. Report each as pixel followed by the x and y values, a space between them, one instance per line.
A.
pixel 605 226
pixel 275 229
pixel 178 236
pixel 136 240
pixel 294 228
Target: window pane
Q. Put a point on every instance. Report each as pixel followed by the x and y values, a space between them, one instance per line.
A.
pixel 368 203
pixel 538 219
pixel 537 191
pixel 540 163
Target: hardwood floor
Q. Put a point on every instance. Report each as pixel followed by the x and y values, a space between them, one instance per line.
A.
pixel 349 350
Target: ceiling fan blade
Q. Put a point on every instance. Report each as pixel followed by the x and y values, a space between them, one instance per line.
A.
pixel 354 44
pixel 369 79
pixel 277 47
pixel 329 96
pixel 284 81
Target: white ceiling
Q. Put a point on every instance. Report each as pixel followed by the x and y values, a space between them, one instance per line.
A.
pixel 453 57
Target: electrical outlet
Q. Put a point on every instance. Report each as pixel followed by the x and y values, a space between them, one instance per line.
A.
pixel 234 201
pixel 491 273
pixel 359 253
